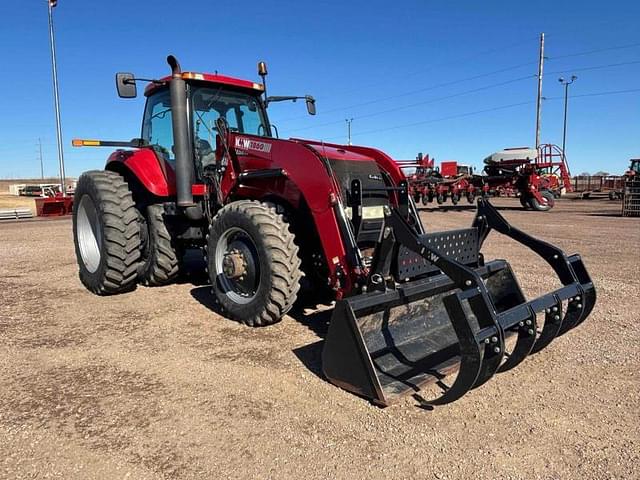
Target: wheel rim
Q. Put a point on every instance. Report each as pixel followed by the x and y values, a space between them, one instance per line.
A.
pixel 549 198
pixel 237 265
pixel 89 231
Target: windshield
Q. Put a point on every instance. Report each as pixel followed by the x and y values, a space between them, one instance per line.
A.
pixel 242 111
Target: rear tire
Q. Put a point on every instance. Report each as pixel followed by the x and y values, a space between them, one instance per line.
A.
pixel 106 233
pixel 253 263
pixel 159 264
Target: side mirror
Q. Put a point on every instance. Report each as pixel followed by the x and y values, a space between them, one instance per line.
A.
pixel 311 104
pixel 126 85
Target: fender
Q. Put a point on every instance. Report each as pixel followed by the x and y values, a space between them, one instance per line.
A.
pixel 157 176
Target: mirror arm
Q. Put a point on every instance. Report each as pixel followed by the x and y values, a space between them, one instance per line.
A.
pixel 131 81
pixel 284 99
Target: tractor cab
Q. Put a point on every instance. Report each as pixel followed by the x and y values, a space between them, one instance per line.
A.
pixel 187 114
pixel 209 100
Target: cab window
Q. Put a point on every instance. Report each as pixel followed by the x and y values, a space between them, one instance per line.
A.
pixel 157 128
pixel 242 112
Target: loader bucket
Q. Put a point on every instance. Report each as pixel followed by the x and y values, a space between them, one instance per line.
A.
pixel 385 344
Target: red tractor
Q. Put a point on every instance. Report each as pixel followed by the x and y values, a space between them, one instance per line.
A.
pixel 208 172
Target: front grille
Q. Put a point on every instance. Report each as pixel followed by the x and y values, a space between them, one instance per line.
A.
pixel 369 175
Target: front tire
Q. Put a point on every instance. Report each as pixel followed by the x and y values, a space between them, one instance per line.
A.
pixel 253 263
pixel 106 233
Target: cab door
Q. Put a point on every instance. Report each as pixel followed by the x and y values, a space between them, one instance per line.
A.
pixel 157 128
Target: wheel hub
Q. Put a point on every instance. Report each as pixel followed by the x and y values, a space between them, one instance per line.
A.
pixel 234 264
pixel 237 265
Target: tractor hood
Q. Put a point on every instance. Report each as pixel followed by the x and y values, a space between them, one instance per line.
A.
pixel 338 154
pixel 348 166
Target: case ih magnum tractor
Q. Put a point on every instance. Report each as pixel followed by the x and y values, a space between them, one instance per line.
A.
pixel 410 304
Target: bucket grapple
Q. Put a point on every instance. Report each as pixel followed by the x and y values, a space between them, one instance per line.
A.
pixel 395 338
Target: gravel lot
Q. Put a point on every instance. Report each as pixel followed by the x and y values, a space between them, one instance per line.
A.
pixel 153 384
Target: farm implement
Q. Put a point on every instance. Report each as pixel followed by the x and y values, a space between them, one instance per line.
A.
pixel 537 177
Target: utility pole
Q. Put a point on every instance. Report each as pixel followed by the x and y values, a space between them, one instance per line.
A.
pixel 349 120
pixel 41 164
pixel 566 84
pixel 539 103
pixel 56 97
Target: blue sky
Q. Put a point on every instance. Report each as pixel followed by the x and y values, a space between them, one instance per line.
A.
pixel 403 70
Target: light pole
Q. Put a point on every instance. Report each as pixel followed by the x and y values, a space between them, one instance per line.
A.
pixel 349 120
pixel 51 4
pixel 566 84
pixel 41 164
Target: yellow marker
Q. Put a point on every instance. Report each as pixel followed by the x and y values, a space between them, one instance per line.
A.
pixel 85 143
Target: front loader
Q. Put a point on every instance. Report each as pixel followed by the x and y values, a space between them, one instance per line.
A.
pixel 275 215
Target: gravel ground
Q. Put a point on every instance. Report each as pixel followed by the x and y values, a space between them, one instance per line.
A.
pixel 153 384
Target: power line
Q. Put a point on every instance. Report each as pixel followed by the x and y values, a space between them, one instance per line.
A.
pixel 466 114
pixel 597 94
pixel 595 67
pixel 413 92
pixel 411 105
pixel 487 110
pixel 589 52
pixel 433 87
pixel 448 62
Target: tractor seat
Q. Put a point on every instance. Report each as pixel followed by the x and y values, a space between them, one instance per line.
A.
pixel 204 153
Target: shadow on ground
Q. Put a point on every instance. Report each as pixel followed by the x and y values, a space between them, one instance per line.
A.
pixel 317 320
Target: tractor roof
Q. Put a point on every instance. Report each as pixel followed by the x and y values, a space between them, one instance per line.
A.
pixel 211 78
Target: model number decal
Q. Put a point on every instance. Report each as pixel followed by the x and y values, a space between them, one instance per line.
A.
pixel 248 144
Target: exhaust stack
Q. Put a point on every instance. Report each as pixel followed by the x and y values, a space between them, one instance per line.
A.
pixel 181 142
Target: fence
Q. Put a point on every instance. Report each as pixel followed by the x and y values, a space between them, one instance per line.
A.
pixel 592 183
pixel 631 199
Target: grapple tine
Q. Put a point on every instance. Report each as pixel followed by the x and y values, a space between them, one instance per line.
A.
pixel 490 364
pixel 585 302
pixel 494 347
pixel 553 320
pixel 575 311
pixel 472 355
pixel 589 302
pixel 524 343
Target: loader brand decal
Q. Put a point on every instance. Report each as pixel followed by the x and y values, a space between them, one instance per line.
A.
pixel 375 177
pixel 256 146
